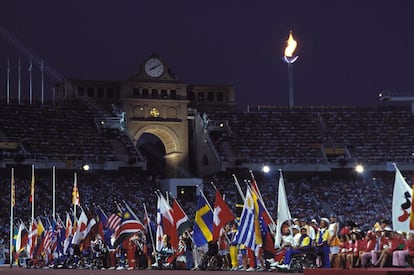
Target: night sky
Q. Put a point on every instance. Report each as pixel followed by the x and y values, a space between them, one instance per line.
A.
pixel 348 51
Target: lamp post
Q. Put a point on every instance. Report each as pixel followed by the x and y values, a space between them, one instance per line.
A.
pixel 289 59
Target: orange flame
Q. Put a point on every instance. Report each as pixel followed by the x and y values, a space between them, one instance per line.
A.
pixel 291 45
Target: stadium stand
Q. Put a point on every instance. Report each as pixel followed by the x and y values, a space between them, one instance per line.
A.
pixel 314 135
pixel 306 135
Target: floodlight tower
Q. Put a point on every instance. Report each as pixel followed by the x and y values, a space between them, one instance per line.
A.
pixel 289 58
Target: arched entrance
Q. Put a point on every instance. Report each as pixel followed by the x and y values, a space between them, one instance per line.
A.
pixel 152 148
pixel 162 145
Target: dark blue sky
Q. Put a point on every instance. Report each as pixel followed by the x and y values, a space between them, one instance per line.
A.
pixel 348 50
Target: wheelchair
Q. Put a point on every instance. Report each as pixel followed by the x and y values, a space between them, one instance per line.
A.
pixel 303 261
pixel 212 262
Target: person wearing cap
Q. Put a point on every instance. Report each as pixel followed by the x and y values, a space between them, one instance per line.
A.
pixel 310 230
pixel 333 240
pixel 322 247
pixel 314 225
pixel 296 234
pixel 381 241
pixel 303 245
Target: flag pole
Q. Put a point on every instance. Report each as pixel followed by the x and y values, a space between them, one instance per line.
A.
pixel 130 210
pixel 30 83
pixel 8 81
pixel 32 191
pixel 18 83
pixel 149 226
pixel 43 85
pixel 12 202
pixel 54 191
pixel 202 194
pixel 238 187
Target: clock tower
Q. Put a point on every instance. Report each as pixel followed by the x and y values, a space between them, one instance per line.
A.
pixel 155 103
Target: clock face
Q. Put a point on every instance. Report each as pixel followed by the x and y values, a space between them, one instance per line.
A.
pixel 154 67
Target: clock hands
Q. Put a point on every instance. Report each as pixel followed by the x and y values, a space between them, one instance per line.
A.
pixel 154 67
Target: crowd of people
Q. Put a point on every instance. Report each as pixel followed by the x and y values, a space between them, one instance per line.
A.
pixel 321 243
pixel 357 202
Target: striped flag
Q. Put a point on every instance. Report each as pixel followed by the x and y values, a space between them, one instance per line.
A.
pixel 114 221
pixel 246 234
pixel 129 226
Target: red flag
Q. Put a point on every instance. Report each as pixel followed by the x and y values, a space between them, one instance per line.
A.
pixel 181 220
pixel 128 226
pixel 222 215
pixel 165 223
pixel 31 244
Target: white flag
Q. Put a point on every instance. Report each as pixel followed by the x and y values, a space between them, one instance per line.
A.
pixel 283 213
pixel 402 204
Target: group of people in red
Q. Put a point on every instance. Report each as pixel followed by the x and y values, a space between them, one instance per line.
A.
pixel 346 247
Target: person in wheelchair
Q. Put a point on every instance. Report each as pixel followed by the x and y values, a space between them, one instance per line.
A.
pixel 209 259
pixel 177 260
pixel 98 251
pixel 165 252
pixel 302 247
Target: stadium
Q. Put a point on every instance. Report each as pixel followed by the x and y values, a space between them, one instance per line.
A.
pixel 154 132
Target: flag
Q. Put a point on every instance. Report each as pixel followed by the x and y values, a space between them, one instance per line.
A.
pixel 159 235
pixel 257 210
pixel 112 225
pixel 75 193
pixel 203 227
pixel 181 220
pixel 129 226
pixel 82 223
pixel 114 221
pixel 32 240
pixel 165 223
pixel 246 233
pixel 22 238
pixel 60 233
pixel 402 206
pixel 32 186
pixel 90 230
pixel 14 241
pixel 255 188
pixel 102 220
pixel 264 228
pixel 40 227
pixel 221 215
pixel 68 233
pixel 283 213
pixel 49 241
pixel 40 237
